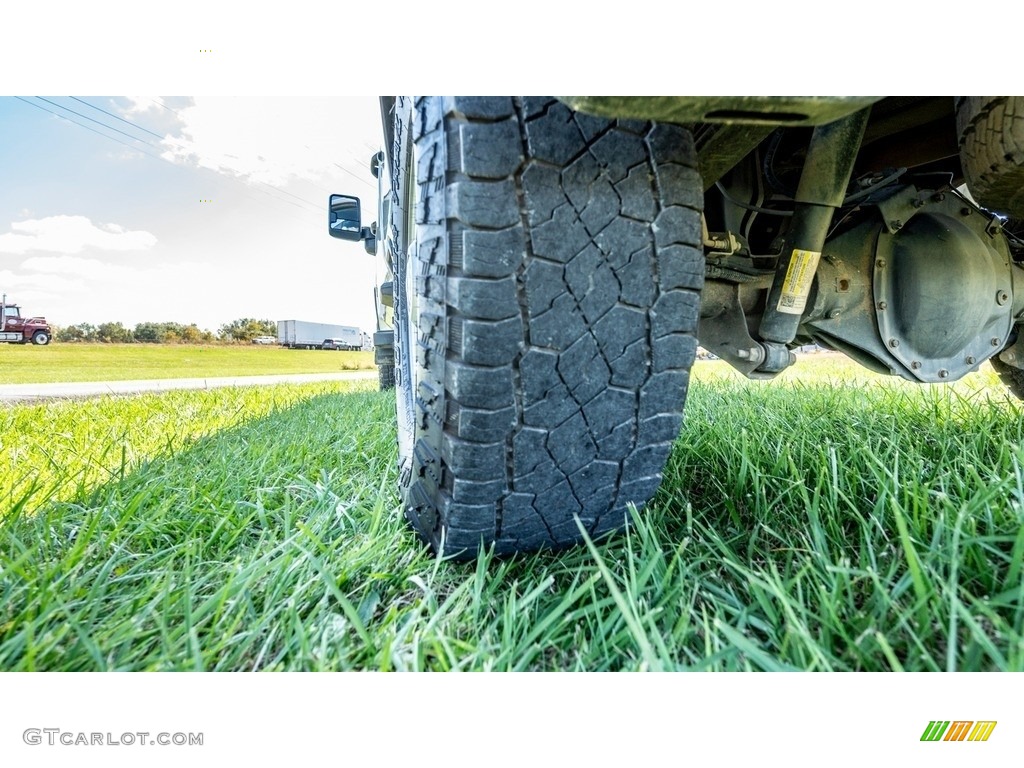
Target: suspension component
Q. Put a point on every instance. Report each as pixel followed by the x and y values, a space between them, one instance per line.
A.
pixel 823 183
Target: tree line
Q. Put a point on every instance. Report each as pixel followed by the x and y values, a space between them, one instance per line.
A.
pixel 243 330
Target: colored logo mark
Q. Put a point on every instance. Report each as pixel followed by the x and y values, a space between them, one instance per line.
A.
pixel 958 730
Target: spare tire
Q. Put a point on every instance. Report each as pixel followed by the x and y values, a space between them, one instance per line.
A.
pixel 991 131
pixel 548 266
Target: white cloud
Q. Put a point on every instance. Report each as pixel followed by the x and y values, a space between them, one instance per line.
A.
pixel 277 140
pixel 141 104
pixel 23 285
pixel 71 265
pixel 71 234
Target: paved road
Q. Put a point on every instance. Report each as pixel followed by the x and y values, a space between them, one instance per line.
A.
pixel 10 393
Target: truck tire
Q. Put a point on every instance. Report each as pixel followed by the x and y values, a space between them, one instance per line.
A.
pixel 547 289
pixel 41 338
pixel 386 377
pixel 991 131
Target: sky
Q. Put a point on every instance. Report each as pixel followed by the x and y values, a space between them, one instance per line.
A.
pixel 210 207
pixel 197 209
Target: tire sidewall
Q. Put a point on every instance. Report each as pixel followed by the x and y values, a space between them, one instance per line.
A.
pixel 41 338
pixel 419 353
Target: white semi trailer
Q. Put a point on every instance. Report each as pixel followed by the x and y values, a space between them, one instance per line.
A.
pixel 301 334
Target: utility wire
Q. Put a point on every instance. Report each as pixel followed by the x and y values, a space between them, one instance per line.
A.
pixel 108 127
pixel 81 125
pixel 149 154
pixel 129 122
pixel 312 206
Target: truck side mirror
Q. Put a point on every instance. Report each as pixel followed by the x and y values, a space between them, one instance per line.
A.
pixel 376 161
pixel 344 220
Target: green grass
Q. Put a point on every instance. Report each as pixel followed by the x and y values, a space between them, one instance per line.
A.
pixel 865 524
pixel 120 362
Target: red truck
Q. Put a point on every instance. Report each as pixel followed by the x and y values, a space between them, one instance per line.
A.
pixel 21 330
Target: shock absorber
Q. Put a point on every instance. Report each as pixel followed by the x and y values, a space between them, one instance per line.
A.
pixel 823 182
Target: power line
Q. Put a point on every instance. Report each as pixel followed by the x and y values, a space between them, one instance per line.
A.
pixel 312 206
pixel 108 127
pixel 149 154
pixel 99 133
pixel 129 122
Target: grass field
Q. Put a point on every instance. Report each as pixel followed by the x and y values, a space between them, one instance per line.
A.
pixel 827 522
pixel 120 362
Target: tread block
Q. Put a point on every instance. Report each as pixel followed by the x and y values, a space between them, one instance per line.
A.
pixel 646 462
pixel 517 512
pixel 542 189
pixel 553 135
pixel 482 107
pixel 660 428
pixel 490 204
pixel 637 278
pixel 533 466
pixel 664 392
pixel 622 239
pixel 674 352
pixel 479 462
pixel 557 503
pixel 538 374
pixel 474 492
pixel 476 387
pixel 589 125
pixel 640 491
pixel 571 445
pixel 481 425
pixel 610 409
pixel 590 479
pixel 484 299
pixel 618 152
pixel 487 253
pixel 546 399
pixel 562 236
pixel 617 444
pixel 535 105
pixel 486 342
pixel 630 369
pixel 560 326
pixel 677 226
pixel 673 312
pixel 680 185
pixel 680 266
pixel 485 150
pixel 591 193
pixel 672 144
pixel 592 282
pixel 543 282
pixel 583 368
pixel 619 328
pixel 635 193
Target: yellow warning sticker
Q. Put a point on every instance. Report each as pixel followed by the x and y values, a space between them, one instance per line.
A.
pixel 797 286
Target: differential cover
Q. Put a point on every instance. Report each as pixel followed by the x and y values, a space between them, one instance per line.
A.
pixel 942 290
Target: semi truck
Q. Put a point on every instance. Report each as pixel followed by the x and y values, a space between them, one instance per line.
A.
pixel 15 329
pixel 301 334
